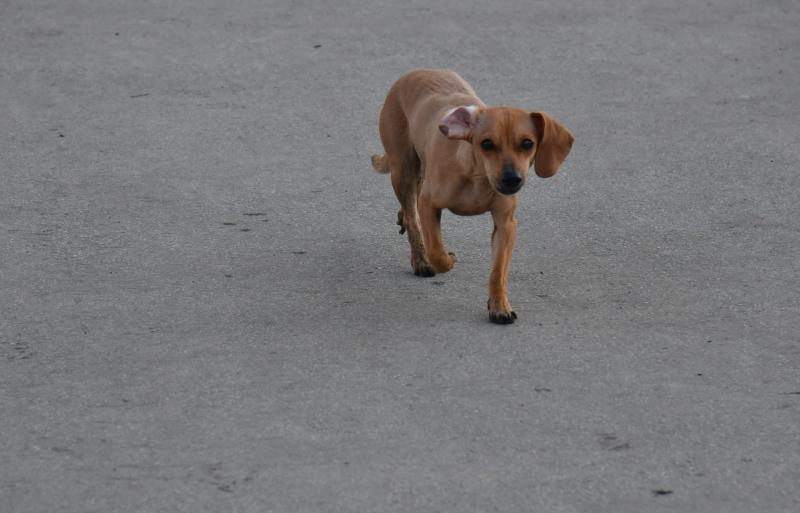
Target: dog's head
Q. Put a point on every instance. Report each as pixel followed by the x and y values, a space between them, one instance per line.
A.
pixel 506 142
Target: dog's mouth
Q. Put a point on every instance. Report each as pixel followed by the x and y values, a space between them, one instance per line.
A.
pixel 508 190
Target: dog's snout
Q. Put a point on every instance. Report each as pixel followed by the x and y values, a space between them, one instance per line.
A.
pixel 510 180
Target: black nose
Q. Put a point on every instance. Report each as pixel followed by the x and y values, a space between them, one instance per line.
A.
pixel 510 180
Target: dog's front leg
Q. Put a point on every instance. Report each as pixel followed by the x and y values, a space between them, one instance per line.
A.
pixel 503 238
pixel 430 220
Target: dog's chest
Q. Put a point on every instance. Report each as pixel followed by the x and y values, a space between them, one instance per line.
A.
pixel 470 199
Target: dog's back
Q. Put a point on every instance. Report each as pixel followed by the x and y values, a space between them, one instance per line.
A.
pixel 412 106
pixel 415 85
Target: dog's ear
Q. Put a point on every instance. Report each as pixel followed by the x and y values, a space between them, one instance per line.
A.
pixel 459 122
pixel 554 144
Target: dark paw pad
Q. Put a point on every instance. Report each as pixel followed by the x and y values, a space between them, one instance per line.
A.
pixel 502 317
pixel 424 270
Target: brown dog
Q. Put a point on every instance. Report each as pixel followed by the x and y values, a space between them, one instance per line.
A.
pixel 446 149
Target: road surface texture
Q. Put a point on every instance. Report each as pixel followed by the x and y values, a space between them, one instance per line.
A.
pixel 206 305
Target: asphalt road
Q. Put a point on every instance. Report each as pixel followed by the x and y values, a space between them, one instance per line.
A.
pixel 205 304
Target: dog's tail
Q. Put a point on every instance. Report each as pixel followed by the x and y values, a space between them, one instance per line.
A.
pixel 380 163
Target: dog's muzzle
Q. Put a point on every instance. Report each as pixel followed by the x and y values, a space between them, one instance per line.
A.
pixel 510 181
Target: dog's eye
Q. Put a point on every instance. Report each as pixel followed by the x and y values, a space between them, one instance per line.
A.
pixel 487 144
pixel 527 144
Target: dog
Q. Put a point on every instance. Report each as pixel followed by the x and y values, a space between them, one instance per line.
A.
pixel 444 148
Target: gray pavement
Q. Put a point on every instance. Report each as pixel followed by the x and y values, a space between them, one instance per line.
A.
pixel 206 305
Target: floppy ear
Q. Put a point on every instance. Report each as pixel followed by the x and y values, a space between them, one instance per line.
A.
pixel 554 144
pixel 459 122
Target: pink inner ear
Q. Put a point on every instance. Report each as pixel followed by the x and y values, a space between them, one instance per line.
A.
pixel 461 117
pixel 458 123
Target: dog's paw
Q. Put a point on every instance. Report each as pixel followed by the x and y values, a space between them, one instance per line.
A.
pixel 500 312
pixel 424 270
pixel 444 262
pixel 503 317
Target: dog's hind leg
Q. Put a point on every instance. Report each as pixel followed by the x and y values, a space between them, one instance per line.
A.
pixel 405 181
pixel 403 163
